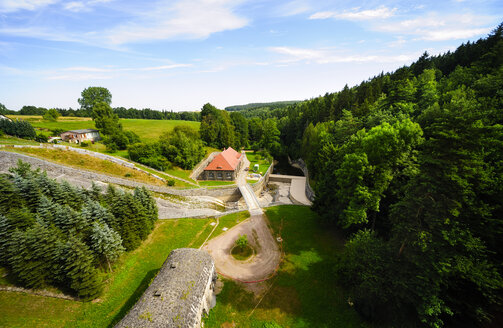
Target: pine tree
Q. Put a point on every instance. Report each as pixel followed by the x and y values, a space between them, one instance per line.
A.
pixel 81 275
pixel 95 192
pixel 45 210
pixel 92 211
pixel 148 203
pixel 5 234
pixel 106 243
pixel 37 251
pixel 72 196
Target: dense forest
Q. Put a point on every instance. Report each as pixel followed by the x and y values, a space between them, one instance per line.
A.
pixel 146 113
pixel 53 234
pixel 409 165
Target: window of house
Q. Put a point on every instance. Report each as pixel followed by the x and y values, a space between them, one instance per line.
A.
pixel 212 175
pixel 229 174
pixel 219 174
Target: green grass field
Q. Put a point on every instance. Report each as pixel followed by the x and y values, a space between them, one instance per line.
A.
pixel 304 293
pixel 147 130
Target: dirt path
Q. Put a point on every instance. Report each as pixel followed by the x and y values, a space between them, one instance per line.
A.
pixel 261 265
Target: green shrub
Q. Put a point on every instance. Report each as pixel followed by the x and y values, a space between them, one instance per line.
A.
pixel 41 138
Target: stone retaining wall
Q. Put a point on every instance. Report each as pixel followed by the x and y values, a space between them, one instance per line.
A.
pixel 258 186
pixel 196 172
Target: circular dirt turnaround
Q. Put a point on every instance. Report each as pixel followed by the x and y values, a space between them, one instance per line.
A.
pixel 242 254
pixel 267 253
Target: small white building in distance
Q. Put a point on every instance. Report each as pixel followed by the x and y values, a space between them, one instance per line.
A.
pixel 77 136
pixel 2 117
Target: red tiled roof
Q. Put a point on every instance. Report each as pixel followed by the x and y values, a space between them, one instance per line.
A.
pixel 227 160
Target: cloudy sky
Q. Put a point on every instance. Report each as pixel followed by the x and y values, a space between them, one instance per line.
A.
pixel 180 54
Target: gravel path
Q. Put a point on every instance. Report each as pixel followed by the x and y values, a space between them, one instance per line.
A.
pixel 260 266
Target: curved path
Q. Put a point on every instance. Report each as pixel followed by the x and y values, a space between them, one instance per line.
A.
pixel 262 265
pixel 267 253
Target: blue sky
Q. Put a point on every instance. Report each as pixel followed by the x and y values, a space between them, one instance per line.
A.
pixel 180 54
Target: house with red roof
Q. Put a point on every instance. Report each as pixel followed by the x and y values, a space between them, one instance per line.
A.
pixel 224 166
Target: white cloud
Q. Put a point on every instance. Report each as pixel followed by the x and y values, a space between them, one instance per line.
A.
pixel 327 56
pixel 356 14
pixel 124 69
pixel 76 6
pixel 293 8
pixel 434 27
pixel 82 6
pixel 7 6
pixel 187 19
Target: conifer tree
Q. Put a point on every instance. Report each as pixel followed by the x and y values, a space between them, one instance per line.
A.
pixel 92 211
pixel 81 274
pixel 95 192
pixel 45 210
pixel 5 234
pixel 9 195
pixel 106 243
pixel 32 261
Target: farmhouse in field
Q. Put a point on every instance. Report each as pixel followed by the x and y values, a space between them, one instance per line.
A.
pixel 224 166
pixel 78 136
pixel 181 293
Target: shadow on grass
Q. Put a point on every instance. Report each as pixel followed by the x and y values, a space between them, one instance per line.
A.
pixel 134 297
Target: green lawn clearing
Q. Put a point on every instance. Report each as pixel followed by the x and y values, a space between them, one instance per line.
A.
pixel 147 130
pixel 256 158
pixel 304 293
pixel 131 276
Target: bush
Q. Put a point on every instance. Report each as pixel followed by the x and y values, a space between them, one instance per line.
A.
pixel 242 241
pixel 41 138
pixel 84 144
pixel 112 147
pixel 170 183
pixel 18 128
pixel 57 132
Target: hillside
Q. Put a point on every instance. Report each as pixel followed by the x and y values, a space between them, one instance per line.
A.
pixel 270 105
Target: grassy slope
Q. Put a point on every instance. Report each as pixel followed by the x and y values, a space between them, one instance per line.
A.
pixel 148 130
pixel 90 163
pixel 131 276
pixel 304 293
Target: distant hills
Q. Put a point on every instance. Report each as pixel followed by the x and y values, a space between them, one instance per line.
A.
pixel 270 105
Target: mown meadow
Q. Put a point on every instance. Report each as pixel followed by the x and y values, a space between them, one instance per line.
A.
pixel 147 130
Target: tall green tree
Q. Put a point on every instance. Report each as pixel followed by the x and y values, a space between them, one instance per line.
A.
pixel 92 96
pixel 105 119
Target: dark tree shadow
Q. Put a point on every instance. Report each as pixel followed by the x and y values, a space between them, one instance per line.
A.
pixel 134 297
